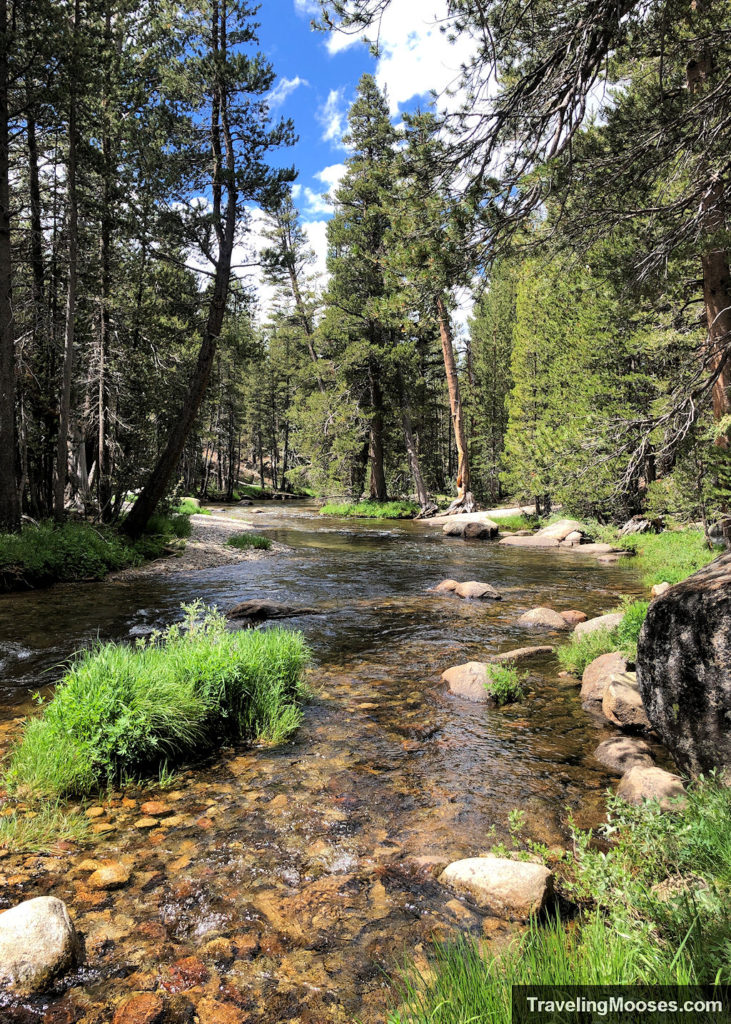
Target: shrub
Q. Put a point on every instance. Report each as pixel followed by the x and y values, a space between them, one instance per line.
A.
pixel 504 685
pixel 579 651
pixel 372 509
pixel 120 708
pixel 249 540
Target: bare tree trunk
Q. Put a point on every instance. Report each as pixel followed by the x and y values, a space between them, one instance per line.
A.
pixel 68 342
pixel 375 449
pixel 455 402
pixel 9 497
pixel 421 492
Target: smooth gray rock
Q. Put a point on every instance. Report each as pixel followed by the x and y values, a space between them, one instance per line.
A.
pixel 511 888
pixel 622 703
pixel 608 622
pixel 543 618
pixel 620 753
pixel 37 942
pixel 468 681
pixel 641 785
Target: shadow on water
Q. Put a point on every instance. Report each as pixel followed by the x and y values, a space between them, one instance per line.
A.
pixel 292 875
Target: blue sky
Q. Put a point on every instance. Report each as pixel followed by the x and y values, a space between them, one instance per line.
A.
pixel 317 75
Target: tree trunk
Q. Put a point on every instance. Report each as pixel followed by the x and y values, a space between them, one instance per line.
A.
pixel 455 401
pixel 9 498
pixel 68 342
pixel 375 448
pixel 421 492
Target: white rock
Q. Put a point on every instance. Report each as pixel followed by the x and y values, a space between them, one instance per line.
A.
pixel 468 680
pixel 37 942
pixel 543 618
pixel 511 888
pixel 607 622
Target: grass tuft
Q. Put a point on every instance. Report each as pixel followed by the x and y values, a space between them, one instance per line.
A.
pixel 123 708
pixel 578 651
pixel 249 540
pixel 190 507
pixel 371 509
pixel 39 831
pixel 504 684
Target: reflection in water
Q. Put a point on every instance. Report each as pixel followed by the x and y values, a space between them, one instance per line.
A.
pixel 293 875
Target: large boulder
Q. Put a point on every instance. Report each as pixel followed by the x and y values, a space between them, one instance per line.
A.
pixel 543 618
pixel 511 888
pixel 483 529
pixel 642 784
pixel 598 675
pixel 562 529
pixel 622 703
pixel 468 680
pixel 37 942
pixel 474 589
pixel 684 668
pixel 620 753
pixel 608 622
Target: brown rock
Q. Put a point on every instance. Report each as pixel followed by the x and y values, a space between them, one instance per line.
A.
pixel 94 812
pixel 154 809
pixel 186 973
pixel 573 617
pixel 607 622
pixel 543 618
pixel 143 1008
pixel 598 675
pixel 620 753
pixel 486 529
pixel 146 823
pixel 111 875
pixel 641 785
pixel 473 589
pixel 258 611
pixel 622 702
pixel 468 680
pixel 446 586
pixel 210 1011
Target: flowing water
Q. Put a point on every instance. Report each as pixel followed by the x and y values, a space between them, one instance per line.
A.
pixel 285 884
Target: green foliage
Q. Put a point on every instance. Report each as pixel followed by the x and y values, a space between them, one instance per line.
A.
pixel 40 830
pixel 190 507
pixel 249 540
pixel 504 684
pixel 579 650
pixel 120 709
pixel 371 509
pixel 516 521
pixel 627 933
pixel 160 525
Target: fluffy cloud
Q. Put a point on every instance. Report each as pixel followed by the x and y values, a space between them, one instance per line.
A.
pixel 306 7
pixel 332 114
pixel 283 88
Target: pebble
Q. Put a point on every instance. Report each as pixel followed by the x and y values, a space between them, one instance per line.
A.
pixel 154 809
pixel 145 1008
pixel 146 823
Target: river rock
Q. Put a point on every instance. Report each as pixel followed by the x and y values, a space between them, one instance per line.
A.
pixel 483 529
pixel 37 942
pixel 512 888
pixel 535 540
pixel 573 617
pixel 622 702
pixel 473 589
pixel 659 589
pixel 563 529
pixel 543 618
pixel 608 622
pixel 468 680
pixel 641 784
pixel 446 586
pixel 141 1008
pixel 620 753
pixel 257 611
pixel 109 875
pixel 684 668
pixel 598 675
pixel 522 653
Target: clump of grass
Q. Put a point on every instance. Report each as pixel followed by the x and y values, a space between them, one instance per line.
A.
pixel 504 684
pixel 516 521
pixel 161 525
pixel 123 708
pixel 372 509
pixel 579 650
pixel 190 507
pixel 671 556
pixel 40 830
pixel 627 932
pixel 249 540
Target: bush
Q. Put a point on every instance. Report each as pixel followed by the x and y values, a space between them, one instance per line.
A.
pixel 372 509
pixel 120 708
pixel 579 651
pixel 504 685
pixel 249 540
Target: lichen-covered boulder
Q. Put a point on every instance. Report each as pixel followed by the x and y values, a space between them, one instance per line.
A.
pixel 684 668
pixel 37 942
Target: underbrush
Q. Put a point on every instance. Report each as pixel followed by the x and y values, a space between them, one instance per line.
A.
pixel 652 910
pixel 579 650
pixel 504 684
pixel 121 709
pixel 372 509
pixel 249 540
pixel 39 831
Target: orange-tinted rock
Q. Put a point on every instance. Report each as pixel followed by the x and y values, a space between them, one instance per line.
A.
pixel 111 875
pixel 573 617
pixel 211 1011
pixel 154 809
pixel 187 973
pixel 145 1008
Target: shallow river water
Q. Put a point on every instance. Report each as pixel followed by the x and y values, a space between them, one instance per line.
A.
pixel 285 885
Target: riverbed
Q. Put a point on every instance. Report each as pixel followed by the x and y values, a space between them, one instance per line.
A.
pixel 286 884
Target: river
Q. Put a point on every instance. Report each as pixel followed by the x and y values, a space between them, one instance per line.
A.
pixel 291 876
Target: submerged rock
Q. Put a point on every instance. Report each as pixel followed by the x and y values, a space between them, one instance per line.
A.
pixel 141 1008
pixel 109 875
pixel 684 668
pixel 522 653
pixel 257 611
pixel 642 784
pixel 543 618
pixel 37 942
pixel 446 586
pixel 620 753
pixel 474 589
pixel 608 622
pixel 512 888
pixel 468 680
pixel 598 675
pixel 622 702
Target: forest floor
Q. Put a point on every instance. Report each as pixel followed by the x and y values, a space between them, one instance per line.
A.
pixel 204 549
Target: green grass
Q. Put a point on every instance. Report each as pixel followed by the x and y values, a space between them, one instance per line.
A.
pixel 670 556
pixel 578 651
pixel 504 684
pixel 372 509
pixel 161 525
pixel 121 709
pixel 249 540
pixel 39 832
pixel 190 507
pixel 515 521
pixel 626 932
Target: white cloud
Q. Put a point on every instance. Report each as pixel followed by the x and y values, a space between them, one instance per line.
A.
pixel 296 191
pixel 331 176
pixel 316 204
pixel 317 234
pixel 306 7
pixel 332 115
pixel 284 88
